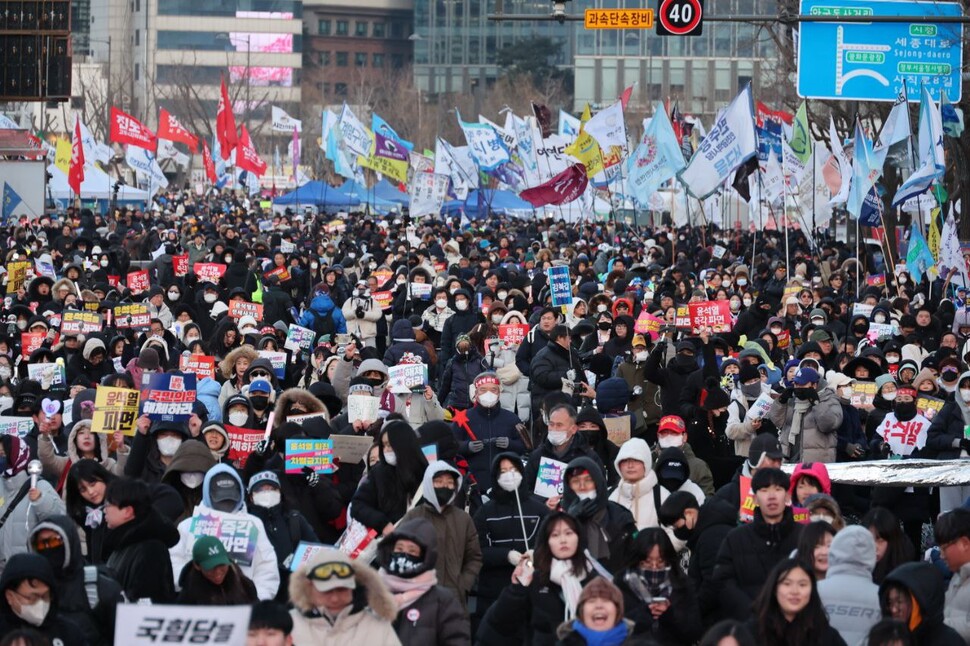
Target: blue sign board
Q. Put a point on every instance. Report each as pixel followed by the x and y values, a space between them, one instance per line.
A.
pixel 560 286
pixel 870 61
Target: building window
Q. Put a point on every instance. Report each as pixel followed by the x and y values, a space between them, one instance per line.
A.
pixel 378 60
pixel 326 89
pixel 340 89
pixel 138 37
pixel 361 28
pixel 342 28
pixel 324 59
pixel 397 29
pixel 323 27
pixel 341 59
pixel 360 59
pixel 397 61
pixel 137 71
pixel 378 30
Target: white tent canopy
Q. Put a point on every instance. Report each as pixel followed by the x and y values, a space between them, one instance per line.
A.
pixel 96 185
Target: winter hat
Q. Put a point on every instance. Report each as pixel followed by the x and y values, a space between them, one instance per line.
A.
pixel 360 386
pixel 748 373
pixel 590 414
pixel 762 446
pixel 672 468
pixel 26 566
pixel 612 394
pixel 805 376
pixel 714 396
pixel 330 569
pixel 601 588
pixel 882 380
pixel 263 477
pixel 815 470
pixel 91 346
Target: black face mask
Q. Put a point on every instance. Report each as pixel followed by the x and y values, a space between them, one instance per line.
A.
pixel 860 330
pixel 604 326
pixel 682 532
pixel 374 382
pixel 55 556
pixel 905 411
pixel 403 564
pixel 805 393
pixel 671 484
pixel 444 495
pixel 259 402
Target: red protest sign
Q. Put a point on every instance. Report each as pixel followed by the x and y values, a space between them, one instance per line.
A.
pixel 711 314
pixel 281 272
pixel 200 365
pixel 648 324
pixel 239 309
pixel 242 442
pixel 137 281
pixel 513 335
pixel 114 281
pixel 180 264
pixel 384 299
pixel 30 341
pixel 209 271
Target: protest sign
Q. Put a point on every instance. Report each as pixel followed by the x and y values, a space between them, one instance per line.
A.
pixel 131 316
pixel 115 409
pixel 50 375
pixel 308 452
pixel 278 359
pixel 74 323
pixel 421 291
pixel 862 309
pixel 242 442
pixel 144 625
pixel 384 299
pixel 928 406
pixel 19 426
pixel 784 339
pixel 682 320
pixel 513 334
pixel 17 274
pixel 30 341
pixel 430 452
pixel 200 365
pixel 618 428
pixel 863 393
pixel 299 419
pixel 879 331
pixel 715 315
pixel 759 408
pixel 355 539
pixel 560 286
pixel 114 281
pixel 382 276
pixel 209 271
pixel 351 449
pixel 408 377
pixel 904 437
pixel 44 268
pixel 719 251
pixel 647 323
pixel 549 478
pixel 746 510
pixel 180 265
pixel 363 408
pixel 137 281
pixel 304 552
pixel 237 532
pixel 170 397
pixel 239 309
pixel 282 273
pixel 801 515
pixel 299 338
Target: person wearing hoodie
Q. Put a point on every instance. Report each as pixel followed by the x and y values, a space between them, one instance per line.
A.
pixel 214 435
pixel 946 440
pixel 952 534
pixel 638 489
pixel 91 363
pixel 461 322
pixel 742 427
pixel 608 526
pixel 459 374
pixel 428 613
pixel 808 479
pixel 223 493
pixel 499 523
pixel 30 601
pixel 850 597
pixel 403 341
pixel 808 425
pixel 458 565
pixel 913 594
pixel 337 600
pixel 138 541
pixel 153 448
pixel 592 426
pixel 86 593
pixel 323 317
pixel 362 313
pixel 212 579
pixel 81 444
pixel 186 472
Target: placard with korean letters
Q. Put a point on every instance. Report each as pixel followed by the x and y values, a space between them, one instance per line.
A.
pixel 141 625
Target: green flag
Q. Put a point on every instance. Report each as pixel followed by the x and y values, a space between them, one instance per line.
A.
pixel 801 140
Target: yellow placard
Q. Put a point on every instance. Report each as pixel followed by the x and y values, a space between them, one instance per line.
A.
pixel 618 19
pixel 115 409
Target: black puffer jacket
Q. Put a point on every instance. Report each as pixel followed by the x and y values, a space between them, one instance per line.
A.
pixel 748 554
pixel 550 366
pixel 715 520
pixel 925 585
pixel 946 431
pixel 140 560
pixel 672 379
pixel 681 624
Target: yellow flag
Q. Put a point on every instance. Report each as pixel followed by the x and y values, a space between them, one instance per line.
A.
pixel 586 115
pixel 62 155
pixel 586 150
pixel 934 237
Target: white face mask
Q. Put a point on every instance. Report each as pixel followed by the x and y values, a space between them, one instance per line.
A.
pixel 587 495
pixel 510 480
pixel 747 302
pixel 742 282
pixel 641 356
pixel 557 438
pixel 6 403
pixel 965 393
pixel 190 339
pixel 441 303
pixel 192 479
pixel 35 613
pixel 601 307
pixel 453 290
pixel 891 396
pixel 502 295
pixel 210 298
pixel 461 306
pixel 825 517
pixel 668 441
pixel 497 318
pixel 266 499
pixel 21 325
pixel 879 318
pixel 104 262
pixel 678 544
pixel 892 358
pixel 390 457
pixel 238 418
pixel 173 296
pixel 488 399
pixel 167 446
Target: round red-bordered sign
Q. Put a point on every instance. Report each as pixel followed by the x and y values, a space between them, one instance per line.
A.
pixel 697 11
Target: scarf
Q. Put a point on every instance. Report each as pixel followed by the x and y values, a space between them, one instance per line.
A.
pixel 95 517
pixel 794 441
pixel 407 591
pixel 561 573
pixel 612 637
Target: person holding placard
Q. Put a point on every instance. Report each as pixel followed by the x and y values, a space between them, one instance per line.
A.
pixel 744 423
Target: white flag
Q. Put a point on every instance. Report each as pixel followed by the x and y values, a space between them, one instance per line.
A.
pixel 729 144
pixel 774 179
pixel 568 126
pixel 143 161
pixel 608 129
pixel 167 150
pixel 526 135
pixel 283 122
pixel 845 165
pixel 427 194
pixel 327 121
pixel 93 149
pixel 356 136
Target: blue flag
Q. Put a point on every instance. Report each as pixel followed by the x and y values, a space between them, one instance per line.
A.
pixel 485 145
pixel 919 258
pixel 336 153
pixel 383 128
pixel 656 159
pixel 865 172
pixel 10 201
pixel 872 208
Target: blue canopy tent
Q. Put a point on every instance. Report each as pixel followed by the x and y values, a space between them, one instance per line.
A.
pixel 388 192
pixel 317 194
pixel 501 202
pixel 374 196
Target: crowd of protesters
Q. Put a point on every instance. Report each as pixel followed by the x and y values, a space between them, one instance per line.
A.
pixel 603 470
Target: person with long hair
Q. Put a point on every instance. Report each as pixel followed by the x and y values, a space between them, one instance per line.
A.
pixel 789 612
pixel 813 547
pixel 657 595
pixel 387 492
pixel 893 548
pixel 87 481
pixel 545 589
pixel 729 632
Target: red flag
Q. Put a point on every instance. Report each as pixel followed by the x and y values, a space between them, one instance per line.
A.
pixel 208 163
pixel 170 129
pixel 76 172
pixel 226 123
pixel 246 156
pixel 125 129
pixel 625 97
pixel 561 189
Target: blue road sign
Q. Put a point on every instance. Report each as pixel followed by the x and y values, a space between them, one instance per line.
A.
pixel 869 61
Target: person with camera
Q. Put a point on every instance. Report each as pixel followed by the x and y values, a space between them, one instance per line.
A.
pixel 362 313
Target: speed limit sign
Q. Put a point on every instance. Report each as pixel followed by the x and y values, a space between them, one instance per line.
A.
pixel 680 18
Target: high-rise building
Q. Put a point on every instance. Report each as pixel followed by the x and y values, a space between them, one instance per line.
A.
pixel 80 27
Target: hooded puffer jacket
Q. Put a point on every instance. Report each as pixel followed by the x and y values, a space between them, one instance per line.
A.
pixel 299 396
pixel 461 559
pixel 925 585
pixel 946 431
pixel 436 618
pixel 56 627
pixel 815 470
pixel 366 621
pixel 231 386
pixel 57 466
pixel 208 391
pixel 262 569
pixel 321 308
pixel 419 411
pixel 850 597
pixel 96 622
pixel 191 457
pixel 403 341
pixel 642 498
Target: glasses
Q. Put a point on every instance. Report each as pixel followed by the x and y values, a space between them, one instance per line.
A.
pixel 327 571
pixel 49 543
pixel 259 373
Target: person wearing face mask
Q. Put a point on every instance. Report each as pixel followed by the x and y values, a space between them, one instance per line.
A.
pixel 81 443
pixel 460 372
pixel 563 443
pixel 30 600
pixel 644 403
pixel 362 312
pixel 261 396
pixel 486 429
pixel 437 314
pixel 638 489
pixel 946 439
pixel 672 434
pixel 458 565
pixel 742 426
pixel 882 403
pixel 592 426
pixel 153 448
pixel 464 319
pixel 808 419
pixel 186 472
pixel 223 493
pixel 755 318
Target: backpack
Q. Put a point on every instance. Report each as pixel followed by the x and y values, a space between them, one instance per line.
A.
pixel 323 325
